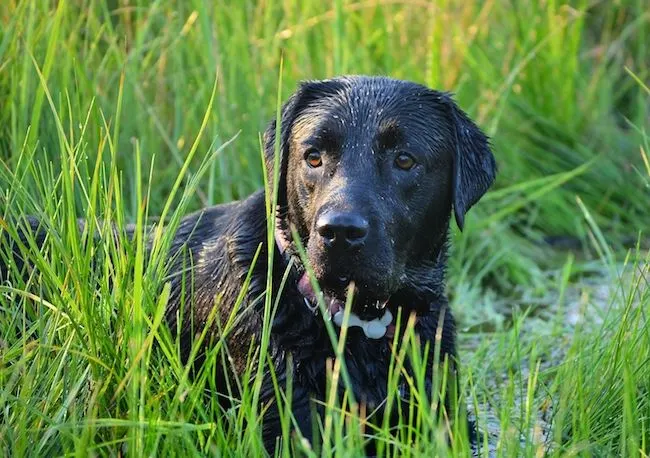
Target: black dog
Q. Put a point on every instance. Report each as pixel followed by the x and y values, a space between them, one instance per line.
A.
pixel 370 170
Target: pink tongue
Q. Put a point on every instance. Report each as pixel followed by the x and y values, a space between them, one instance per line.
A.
pixel 304 287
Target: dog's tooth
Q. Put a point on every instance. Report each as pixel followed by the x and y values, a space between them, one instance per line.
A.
pixel 338 318
pixel 328 310
pixel 309 305
pixel 374 329
pixel 387 318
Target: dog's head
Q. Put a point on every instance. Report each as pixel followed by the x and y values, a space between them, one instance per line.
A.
pixel 370 169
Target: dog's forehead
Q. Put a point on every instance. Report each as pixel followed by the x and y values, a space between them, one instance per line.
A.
pixel 379 101
pixel 374 108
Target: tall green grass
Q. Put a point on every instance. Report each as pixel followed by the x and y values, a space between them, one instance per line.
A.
pixel 119 111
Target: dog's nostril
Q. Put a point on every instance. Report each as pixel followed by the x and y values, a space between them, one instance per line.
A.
pixel 357 232
pixel 328 233
pixel 344 229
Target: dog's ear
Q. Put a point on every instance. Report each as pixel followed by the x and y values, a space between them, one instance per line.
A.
pixel 474 167
pixel 307 92
pixel 287 117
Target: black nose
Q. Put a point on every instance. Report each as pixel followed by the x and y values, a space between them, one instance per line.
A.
pixel 342 229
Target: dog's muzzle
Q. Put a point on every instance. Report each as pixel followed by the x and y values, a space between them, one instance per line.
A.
pixel 376 328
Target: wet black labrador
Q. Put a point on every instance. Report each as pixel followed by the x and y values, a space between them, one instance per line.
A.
pixel 370 171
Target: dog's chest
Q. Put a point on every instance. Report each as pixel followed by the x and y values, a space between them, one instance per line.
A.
pixel 367 363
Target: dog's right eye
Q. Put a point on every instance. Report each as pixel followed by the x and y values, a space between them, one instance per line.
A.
pixel 313 158
pixel 405 161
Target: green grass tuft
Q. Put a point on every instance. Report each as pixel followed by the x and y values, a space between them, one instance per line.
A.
pixel 119 111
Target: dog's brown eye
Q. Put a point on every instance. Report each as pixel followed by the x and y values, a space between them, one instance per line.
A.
pixel 405 161
pixel 313 158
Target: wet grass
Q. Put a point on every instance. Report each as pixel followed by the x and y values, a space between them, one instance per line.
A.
pixel 119 111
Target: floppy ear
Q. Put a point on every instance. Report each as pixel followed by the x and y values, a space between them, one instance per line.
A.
pixel 287 117
pixel 474 165
pixel 308 91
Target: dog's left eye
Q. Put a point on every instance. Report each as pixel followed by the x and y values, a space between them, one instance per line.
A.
pixel 313 158
pixel 405 161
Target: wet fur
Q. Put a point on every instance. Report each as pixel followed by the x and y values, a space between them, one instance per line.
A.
pixel 219 245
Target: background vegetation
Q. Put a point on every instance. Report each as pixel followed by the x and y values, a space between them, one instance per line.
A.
pixel 125 109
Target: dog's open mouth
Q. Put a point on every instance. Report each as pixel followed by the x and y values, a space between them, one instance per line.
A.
pixel 375 328
pixel 381 325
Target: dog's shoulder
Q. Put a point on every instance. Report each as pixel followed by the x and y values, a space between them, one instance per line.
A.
pixel 216 247
pixel 213 252
pixel 205 228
